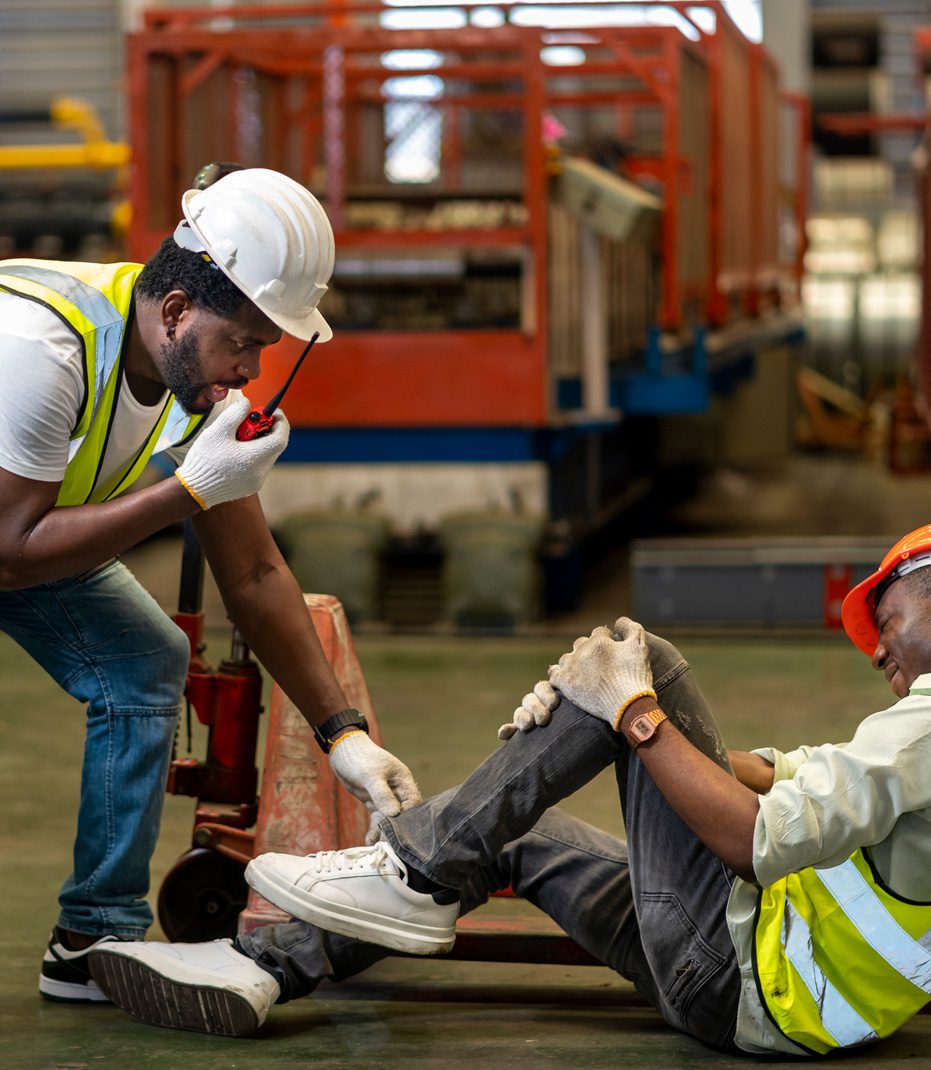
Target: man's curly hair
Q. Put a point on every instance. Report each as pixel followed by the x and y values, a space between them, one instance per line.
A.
pixel 174 268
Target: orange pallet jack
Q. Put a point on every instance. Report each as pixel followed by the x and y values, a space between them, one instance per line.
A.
pixel 302 807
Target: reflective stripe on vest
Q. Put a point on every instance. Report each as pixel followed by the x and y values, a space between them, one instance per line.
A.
pixel 94 301
pixel 839 959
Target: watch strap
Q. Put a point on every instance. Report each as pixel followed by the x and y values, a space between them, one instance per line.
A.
pixel 326 732
pixel 642 728
pixel 647 692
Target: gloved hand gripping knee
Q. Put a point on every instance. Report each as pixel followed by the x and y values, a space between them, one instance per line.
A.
pixel 603 674
pixel 535 710
pixel 606 671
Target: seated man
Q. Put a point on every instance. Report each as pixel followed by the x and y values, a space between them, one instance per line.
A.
pixel 764 902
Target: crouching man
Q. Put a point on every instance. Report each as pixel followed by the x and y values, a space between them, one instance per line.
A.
pixel 764 902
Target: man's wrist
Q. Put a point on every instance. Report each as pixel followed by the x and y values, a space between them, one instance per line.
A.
pixel 640 708
pixel 344 735
pixel 647 694
pixel 349 720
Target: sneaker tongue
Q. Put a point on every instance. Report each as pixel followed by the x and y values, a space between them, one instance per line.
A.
pixel 388 861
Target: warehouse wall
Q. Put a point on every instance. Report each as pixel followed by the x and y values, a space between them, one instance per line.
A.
pixel 52 48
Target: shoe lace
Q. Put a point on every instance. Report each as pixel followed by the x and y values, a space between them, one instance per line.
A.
pixel 355 858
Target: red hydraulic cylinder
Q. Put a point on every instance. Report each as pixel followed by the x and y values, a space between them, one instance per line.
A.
pixel 228 701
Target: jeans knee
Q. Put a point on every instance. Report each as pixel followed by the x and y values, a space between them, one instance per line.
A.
pixel 170 662
pixel 665 659
pixel 179 648
pixel 153 677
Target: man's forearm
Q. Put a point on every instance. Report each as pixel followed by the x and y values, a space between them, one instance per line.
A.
pixel 69 540
pixel 265 602
pixel 274 620
pixel 752 770
pixel 719 809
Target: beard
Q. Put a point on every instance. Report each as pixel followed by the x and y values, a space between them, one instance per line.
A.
pixel 181 371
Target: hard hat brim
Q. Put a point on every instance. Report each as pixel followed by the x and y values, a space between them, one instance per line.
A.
pixel 303 329
pixel 857 615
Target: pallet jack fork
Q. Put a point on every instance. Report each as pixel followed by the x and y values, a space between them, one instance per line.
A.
pixel 302 808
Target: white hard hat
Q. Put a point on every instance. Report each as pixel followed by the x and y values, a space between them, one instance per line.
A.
pixel 271 237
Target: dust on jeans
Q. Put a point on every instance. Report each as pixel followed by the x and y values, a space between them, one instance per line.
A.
pixel 702 735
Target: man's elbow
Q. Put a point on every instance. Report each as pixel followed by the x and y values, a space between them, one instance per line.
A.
pixel 745 872
pixel 736 852
pixel 15 572
pixel 255 579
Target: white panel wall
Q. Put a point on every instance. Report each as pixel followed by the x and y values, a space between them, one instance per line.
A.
pixel 51 48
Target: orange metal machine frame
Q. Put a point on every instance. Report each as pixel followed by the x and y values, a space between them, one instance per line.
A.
pixel 308 73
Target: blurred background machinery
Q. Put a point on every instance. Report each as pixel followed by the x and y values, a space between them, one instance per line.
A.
pixel 582 251
pixel 551 242
pixel 63 153
pixel 62 197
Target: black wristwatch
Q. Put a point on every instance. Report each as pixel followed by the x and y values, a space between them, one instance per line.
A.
pixel 326 733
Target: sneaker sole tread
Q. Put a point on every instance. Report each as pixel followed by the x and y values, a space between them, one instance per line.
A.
pixel 144 993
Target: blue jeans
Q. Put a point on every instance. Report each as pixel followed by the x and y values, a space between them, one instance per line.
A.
pixel 653 908
pixel 105 640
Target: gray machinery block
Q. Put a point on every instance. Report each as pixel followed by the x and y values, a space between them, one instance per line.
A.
pixel 761 582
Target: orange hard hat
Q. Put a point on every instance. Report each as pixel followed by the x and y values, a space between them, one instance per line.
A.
pixel 858 612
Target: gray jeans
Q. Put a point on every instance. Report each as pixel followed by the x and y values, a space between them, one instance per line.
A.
pixel 653 908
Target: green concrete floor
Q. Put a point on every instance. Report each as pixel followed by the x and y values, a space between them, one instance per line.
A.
pixel 439 701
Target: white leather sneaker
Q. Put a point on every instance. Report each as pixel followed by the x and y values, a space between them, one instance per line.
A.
pixel 360 892
pixel 208 988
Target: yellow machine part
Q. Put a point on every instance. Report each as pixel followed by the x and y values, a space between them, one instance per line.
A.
pixel 94 150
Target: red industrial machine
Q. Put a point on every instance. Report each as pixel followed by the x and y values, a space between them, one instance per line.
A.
pixel 306 89
pixel 302 807
pixel 204 893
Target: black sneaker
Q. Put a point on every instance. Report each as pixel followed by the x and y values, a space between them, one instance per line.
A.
pixel 65 976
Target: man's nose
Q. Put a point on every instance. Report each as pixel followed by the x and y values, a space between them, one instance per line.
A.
pixel 879 657
pixel 249 367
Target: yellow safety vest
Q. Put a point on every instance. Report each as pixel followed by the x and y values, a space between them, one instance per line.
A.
pixel 94 301
pixel 839 959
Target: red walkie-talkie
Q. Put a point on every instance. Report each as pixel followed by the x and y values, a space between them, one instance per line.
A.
pixel 259 422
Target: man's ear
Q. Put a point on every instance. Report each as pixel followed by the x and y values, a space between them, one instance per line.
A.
pixel 175 305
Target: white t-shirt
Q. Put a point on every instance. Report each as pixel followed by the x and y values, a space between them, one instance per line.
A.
pixel 41 390
pixel 825 803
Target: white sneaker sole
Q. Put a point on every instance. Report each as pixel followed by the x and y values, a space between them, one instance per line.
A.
pixel 70 991
pixel 141 991
pixel 405 936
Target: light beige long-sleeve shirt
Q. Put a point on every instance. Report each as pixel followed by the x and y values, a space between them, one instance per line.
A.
pixel 826 802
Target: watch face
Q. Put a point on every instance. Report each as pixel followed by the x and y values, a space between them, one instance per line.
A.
pixel 643 727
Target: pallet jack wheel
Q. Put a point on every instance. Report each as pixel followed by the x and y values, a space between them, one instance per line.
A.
pixel 202 896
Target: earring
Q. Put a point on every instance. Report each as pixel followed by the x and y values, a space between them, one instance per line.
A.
pixel 170 332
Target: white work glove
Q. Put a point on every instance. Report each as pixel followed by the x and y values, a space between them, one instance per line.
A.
pixel 219 468
pixel 373 833
pixel 605 672
pixel 373 774
pixel 535 710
